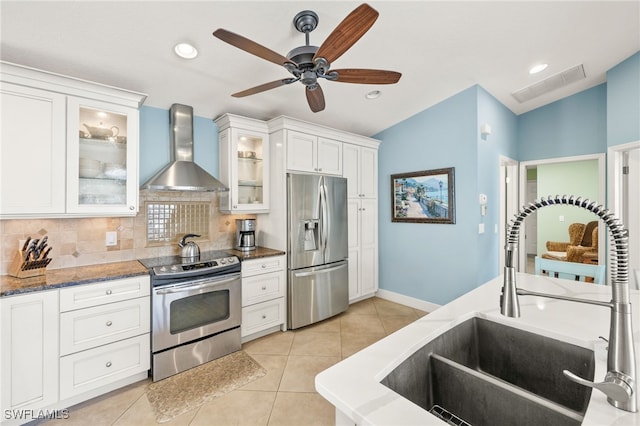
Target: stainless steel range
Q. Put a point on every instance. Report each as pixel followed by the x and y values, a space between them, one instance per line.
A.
pixel 195 309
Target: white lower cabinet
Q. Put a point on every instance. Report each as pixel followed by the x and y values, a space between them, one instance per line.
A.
pixel 62 347
pixel 363 247
pixel 263 288
pixel 87 370
pixel 29 354
pixel 104 333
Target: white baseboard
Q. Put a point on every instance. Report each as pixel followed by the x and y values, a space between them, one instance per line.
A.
pixel 407 300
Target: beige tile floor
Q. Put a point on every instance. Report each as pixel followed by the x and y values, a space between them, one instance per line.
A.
pixel 286 395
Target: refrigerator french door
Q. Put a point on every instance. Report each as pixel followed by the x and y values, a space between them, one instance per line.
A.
pixel 318 281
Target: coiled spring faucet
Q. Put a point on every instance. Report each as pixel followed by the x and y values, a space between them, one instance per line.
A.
pixel 621 381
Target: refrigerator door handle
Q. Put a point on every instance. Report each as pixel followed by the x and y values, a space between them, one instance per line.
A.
pixel 319 271
pixel 324 216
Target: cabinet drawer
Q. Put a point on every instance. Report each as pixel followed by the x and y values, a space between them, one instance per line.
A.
pixel 84 371
pixel 87 328
pixel 99 293
pixel 262 316
pixel 263 265
pixel 260 288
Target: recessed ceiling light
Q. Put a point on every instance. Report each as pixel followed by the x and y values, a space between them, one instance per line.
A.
pixel 374 94
pixel 186 50
pixel 537 68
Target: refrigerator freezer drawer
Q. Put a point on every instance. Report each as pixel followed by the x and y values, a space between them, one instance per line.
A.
pixel 317 293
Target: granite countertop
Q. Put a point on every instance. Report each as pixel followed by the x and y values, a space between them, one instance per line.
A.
pixel 257 253
pixel 64 277
pixel 353 385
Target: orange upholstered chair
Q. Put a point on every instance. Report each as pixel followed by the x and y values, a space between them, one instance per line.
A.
pixel 582 246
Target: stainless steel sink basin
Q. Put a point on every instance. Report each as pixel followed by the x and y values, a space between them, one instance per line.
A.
pixel 487 373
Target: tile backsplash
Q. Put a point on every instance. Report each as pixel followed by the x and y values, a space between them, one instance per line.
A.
pixel 81 241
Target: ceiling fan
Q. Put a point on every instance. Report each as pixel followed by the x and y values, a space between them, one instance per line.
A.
pixel 309 63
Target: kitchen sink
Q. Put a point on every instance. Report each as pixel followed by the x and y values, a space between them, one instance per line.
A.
pixel 482 372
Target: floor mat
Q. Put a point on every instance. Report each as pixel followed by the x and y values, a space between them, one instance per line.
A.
pixel 192 388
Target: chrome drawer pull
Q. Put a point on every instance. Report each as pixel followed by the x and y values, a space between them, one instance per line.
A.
pixel 108 364
pixel 109 323
pixel 264 287
pixel 109 292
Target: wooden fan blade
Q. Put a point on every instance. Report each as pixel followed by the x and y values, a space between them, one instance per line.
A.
pixel 262 88
pixel 364 76
pixel 250 46
pixel 354 26
pixel 315 98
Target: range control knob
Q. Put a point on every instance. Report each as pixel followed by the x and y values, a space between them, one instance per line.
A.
pixel 174 268
pixel 223 261
pixel 231 260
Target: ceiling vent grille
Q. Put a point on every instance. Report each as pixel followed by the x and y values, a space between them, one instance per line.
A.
pixel 550 83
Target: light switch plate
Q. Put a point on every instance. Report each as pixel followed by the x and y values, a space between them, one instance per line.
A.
pixel 481 228
pixel 111 238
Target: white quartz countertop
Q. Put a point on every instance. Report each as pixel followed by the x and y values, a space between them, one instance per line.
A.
pixel 353 385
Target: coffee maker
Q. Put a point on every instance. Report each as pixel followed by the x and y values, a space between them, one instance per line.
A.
pixel 245 234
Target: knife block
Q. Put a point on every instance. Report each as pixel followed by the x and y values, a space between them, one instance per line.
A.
pixel 21 268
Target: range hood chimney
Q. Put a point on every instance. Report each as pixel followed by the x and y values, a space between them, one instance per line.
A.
pixel 182 174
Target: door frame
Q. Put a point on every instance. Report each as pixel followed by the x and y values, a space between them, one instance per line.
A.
pixel 508 199
pixel 601 197
pixel 617 189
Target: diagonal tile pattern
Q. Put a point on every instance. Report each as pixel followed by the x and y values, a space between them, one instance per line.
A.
pixel 286 395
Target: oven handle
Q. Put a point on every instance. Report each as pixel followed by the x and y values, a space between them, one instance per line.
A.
pixel 191 287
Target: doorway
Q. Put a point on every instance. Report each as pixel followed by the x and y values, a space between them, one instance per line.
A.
pixel 559 176
pixel 508 198
pixel 624 187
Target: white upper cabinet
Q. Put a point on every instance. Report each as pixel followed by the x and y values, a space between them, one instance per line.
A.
pixel 102 157
pixel 244 164
pixel 313 154
pixel 69 147
pixel 361 171
pixel 32 151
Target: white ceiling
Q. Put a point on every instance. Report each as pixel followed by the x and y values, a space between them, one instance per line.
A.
pixel 441 48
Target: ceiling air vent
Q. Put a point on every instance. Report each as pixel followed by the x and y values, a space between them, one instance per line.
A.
pixel 550 83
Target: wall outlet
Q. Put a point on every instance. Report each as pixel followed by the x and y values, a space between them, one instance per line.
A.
pixel 481 228
pixel 111 238
pixel 561 218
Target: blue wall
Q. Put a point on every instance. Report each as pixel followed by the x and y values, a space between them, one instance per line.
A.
pixel 575 125
pixel 623 102
pixel 501 141
pixel 154 142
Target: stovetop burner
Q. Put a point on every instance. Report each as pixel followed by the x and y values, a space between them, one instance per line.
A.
pixel 209 263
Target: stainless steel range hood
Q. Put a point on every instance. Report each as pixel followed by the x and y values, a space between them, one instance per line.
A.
pixel 182 174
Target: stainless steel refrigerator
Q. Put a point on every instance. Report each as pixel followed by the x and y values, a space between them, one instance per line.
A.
pixel 318 276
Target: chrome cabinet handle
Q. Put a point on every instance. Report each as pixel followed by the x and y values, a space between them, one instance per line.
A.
pixel 109 292
pixel 109 323
pixel 264 287
pixel 108 364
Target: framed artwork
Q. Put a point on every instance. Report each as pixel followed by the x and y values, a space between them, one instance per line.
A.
pixel 425 197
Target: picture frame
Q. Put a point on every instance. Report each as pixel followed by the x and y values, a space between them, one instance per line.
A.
pixel 427 196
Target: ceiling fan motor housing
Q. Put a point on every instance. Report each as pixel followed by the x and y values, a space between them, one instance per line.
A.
pixel 306 21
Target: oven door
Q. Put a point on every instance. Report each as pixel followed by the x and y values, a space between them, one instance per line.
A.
pixel 194 309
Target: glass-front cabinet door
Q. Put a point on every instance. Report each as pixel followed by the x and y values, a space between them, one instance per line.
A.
pixel 244 164
pixel 249 181
pixel 102 158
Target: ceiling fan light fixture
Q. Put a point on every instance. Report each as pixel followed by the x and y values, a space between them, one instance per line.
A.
pixel 537 68
pixel 185 50
pixel 374 94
